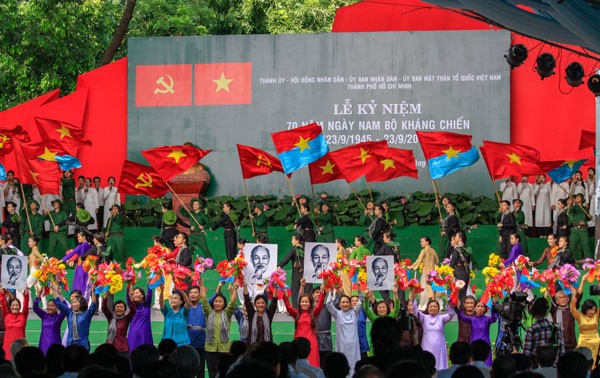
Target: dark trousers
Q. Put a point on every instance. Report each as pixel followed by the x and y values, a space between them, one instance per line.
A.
pixel 461 273
pixel 505 246
pixel 100 217
pixel 230 244
pixel 202 354
pixel 212 363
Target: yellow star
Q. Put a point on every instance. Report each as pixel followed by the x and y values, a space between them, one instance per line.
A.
pixel 48 155
pixel 514 158
pixel 387 163
pixel 364 155
pixel 222 83
pixel 451 153
pixel 64 132
pixel 176 154
pixel 327 168
pixel 303 144
pixel 570 163
pixel 3 139
pixel 34 175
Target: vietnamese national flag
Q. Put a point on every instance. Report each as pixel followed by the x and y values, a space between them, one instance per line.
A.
pixel 223 83
pixel 170 161
pixel 7 137
pixel 562 167
pixel 397 163
pixel 256 162
pixel 504 159
pixel 62 120
pixel 447 152
pixel 44 174
pixel 360 159
pixel 324 170
pixel 141 179
pixel 44 150
pixel 163 85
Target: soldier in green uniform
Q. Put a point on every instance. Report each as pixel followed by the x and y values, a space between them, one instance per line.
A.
pixel 579 239
pixel 58 230
pixel 521 226
pixel 366 219
pixel 114 234
pixel 28 191
pixel 197 237
pixel 33 218
pixel 68 192
pixel 326 231
pixel 261 224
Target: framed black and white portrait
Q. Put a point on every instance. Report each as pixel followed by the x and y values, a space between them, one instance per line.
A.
pixel 317 257
pixel 14 272
pixel 262 262
pixel 380 272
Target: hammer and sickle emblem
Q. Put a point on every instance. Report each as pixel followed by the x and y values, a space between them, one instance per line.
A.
pixel 3 140
pixel 164 87
pixel 146 181
pixel 263 160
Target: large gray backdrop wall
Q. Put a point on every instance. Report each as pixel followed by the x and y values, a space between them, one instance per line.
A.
pixel 221 90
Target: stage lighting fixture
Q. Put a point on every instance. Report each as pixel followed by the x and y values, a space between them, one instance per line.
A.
pixel 594 84
pixel 574 74
pixel 545 65
pixel 516 55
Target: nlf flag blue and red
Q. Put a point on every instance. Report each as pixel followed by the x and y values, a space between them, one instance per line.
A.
pixel 447 152
pixel 299 147
pixel 561 168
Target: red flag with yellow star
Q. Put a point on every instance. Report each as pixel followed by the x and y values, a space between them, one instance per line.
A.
pixel 504 159
pixel 170 161
pixel 360 159
pixel 44 174
pixel 256 162
pixel 223 83
pixel 7 138
pixel 141 179
pixel 324 170
pixel 62 120
pixel 397 163
pixel 44 150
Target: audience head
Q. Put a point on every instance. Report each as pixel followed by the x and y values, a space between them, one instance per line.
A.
pixel 30 361
pixel 428 362
pixel 252 369
pixel 17 345
pixel 545 355
pixel 270 354
pixel 142 356
pixel 572 365
pixel 336 365
pixel 460 353
pixel 480 350
pixel 166 347
pixel 186 361
pixel 385 335
pixel 238 348
pixel 467 371
pixel 503 367
pixel 53 360
pixel 74 358
pixel 407 368
pixel 158 369
pixel 523 361
pixel 368 371
pixel 303 347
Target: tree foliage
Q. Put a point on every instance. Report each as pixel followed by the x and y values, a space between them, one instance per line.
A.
pixel 45 44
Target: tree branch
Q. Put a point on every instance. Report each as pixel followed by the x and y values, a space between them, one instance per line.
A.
pixel 119 34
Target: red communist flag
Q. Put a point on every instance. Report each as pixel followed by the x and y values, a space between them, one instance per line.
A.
pixel 170 161
pixel 141 179
pixel 223 83
pixel 324 170
pixel 256 162
pixel 397 163
pixel 163 85
pixel 360 159
pixel 62 120
pixel 504 160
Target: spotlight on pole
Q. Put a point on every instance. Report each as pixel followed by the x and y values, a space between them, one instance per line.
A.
pixel 516 55
pixel 594 84
pixel 545 65
pixel 574 74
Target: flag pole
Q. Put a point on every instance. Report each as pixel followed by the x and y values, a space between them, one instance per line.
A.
pixel 369 189
pixel 25 206
pixel 359 200
pixel 314 197
pixel 570 193
pixel 184 206
pixel 437 200
pixel 496 190
pixel 293 195
pixel 248 203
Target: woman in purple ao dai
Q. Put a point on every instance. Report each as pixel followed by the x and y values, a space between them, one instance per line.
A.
pixel 433 323
pixel 80 279
pixel 480 325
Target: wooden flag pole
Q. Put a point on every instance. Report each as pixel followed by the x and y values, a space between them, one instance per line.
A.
pixel 359 200
pixel 437 200
pixel 570 193
pixel 25 206
pixel 314 197
pixel 293 195
pixel 249 209
pixel 369 189
pixel 185 207
pixel 496 191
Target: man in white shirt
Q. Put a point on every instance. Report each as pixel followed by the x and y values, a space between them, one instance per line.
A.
pixel 111 197
pixel 89 197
